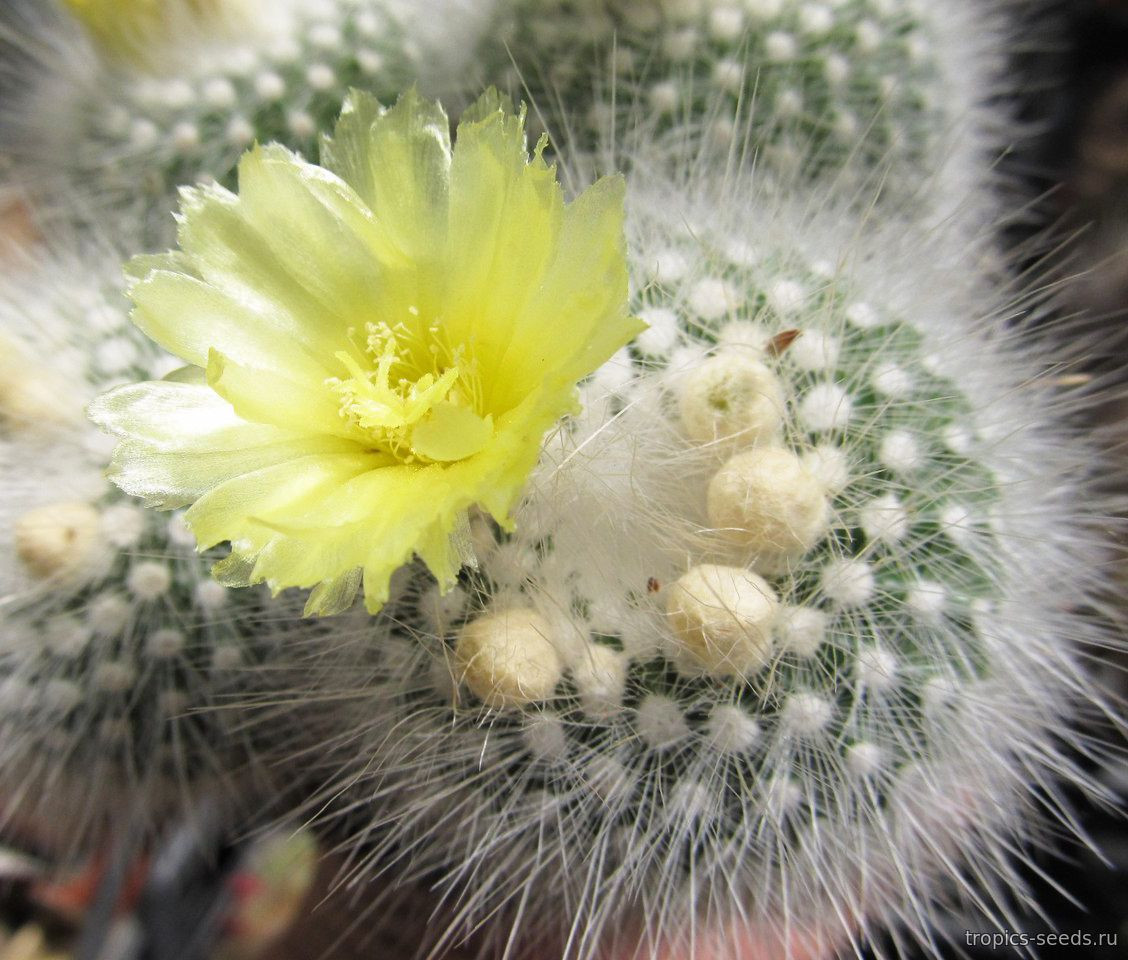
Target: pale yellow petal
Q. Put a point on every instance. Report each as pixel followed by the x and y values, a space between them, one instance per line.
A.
pixel 399 166
pixel 317 229
pixel 579 316
pixel 261 396
pixel 505 215
pixel 189 317
pixel 231 255
pixel 178 416
pixel 239 507
pixel 437 306
pixel 334 596
pixel 182 440
pixel 450 433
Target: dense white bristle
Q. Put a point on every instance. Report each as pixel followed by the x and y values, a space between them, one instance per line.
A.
pixel 111 140
pixel 897 97
pixel 544 741
pixel 922 662
pixel 107 613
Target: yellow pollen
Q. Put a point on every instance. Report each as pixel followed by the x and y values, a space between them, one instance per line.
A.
pixel 416 415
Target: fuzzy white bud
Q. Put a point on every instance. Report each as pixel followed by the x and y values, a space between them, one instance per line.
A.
pixel 767 502
pixel 508 659
pixel 57 539
pixel 722 619
pixel 733 399
pixel 31 396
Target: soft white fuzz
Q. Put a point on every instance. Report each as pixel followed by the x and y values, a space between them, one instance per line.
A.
pixel 695 770
pixel 111 141
pixel 117 649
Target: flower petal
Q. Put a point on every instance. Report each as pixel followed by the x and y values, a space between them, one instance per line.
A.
pixel 318 230
pixel 177 416
pixel 450 433
pixel 188 317
pixel 456 283
pixel 398 161
pixel 262 396
pixel 334 596
pixel 230 254
pixel 578 317
pixel 386 516
pixel 182 440
pixel 241 506
pixel 506 213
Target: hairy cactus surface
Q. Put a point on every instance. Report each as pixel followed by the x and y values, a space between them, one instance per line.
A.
pixel 772 641
pixel 119 132
pixel 872 93
pixel 118 648
pixel 780 641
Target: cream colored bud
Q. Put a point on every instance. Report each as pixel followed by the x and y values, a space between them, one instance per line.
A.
pixel 29 398
pixel 767 502
pixel 57 539
pixel 507 659
pixel 723 618
pixel 733 399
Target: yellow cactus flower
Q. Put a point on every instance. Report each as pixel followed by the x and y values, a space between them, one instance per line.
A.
pixel 133 30
pixel 375 346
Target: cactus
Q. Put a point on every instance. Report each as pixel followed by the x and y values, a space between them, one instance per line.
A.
pixel 781 638
pixel 791 617
pixel 118 648
pixel 889 94
pixel 119 136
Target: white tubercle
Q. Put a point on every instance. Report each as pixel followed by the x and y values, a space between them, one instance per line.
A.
pixel 826 407
pixel 661 722
pixel 149 579
pixel 600 674
pixel 806 713
pixel 848 582
pixel 731 730
pixel 123 524
pixel 802 630
pixel 722 618
pixel 829 465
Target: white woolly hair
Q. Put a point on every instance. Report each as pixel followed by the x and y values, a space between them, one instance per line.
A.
pixel 908 758
pixel 611 72
pixel 117 649
pixel 109 142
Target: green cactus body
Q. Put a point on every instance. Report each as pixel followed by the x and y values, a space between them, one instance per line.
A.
pixel 637 707
pixel 118 650
pixel 804 87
